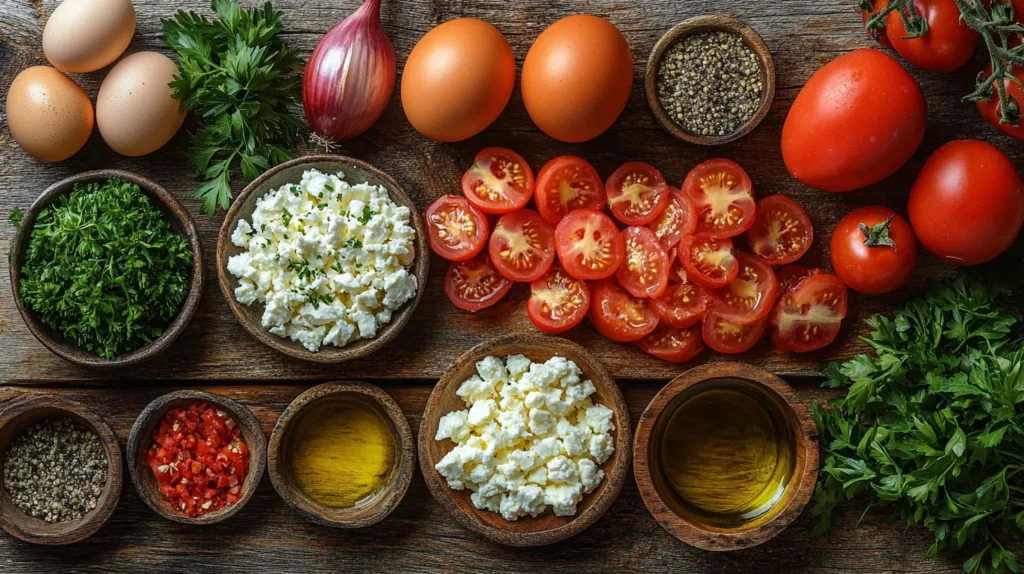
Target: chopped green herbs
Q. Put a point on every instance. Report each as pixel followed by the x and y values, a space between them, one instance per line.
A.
pixel 354 243
pixel 366 215
pixel 104 268
pixel 304 270
pixel 16 216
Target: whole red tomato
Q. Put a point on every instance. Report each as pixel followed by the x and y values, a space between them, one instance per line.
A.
pixel 856 121
pixel 865 15
pixel 873 250
pixel 967 205
pixel 990 108
pixel 947 45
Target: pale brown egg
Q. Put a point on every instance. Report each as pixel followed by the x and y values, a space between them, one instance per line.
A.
pixel 458 79
pixel 49 115
pixel 86 35
pixel 135 109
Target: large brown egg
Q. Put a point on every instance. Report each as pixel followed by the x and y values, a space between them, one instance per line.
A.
pixel 135 110
pixel 49 115
pixel 577 78
pixel 86 35
pixel 458 79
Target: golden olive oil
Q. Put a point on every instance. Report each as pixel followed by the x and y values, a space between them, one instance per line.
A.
pixel 342 452
pixel 726 453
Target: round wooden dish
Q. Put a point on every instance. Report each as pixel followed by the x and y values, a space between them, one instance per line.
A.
pixel 27 410
pixel 704 24
pixel 250 316
pixel 654 491
pixel 368 511
pixel 181 223
pixel 141 438
pixel 546 528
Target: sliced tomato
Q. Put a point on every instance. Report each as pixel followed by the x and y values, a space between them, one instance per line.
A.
pixel 500 181
pixel 789 276
pixel 708 262
pixel 637 193
pixel 457 230
pixel 782 231
pixel 522 245
pixel 723 197
pixel 475 284
pixel 750 295
pixel 677 221
pixel 725 336
pixel 809 315
pixel 589 245
pixel 672 344
pixel 683 303
pixel 567 183
pixel 557 302
pixel 644 271
pixel 618 315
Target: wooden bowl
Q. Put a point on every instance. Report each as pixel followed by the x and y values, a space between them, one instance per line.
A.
pixel 546 528
pixel 655 492
pixel 250 316
pixel 141 438
pixel 367 511
pixel 181 223
pixel 704 24
pixel 26 410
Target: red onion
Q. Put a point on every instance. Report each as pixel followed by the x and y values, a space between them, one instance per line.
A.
pixel 350 76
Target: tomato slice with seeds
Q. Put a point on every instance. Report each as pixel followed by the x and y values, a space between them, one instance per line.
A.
pixel 809 315
pixel 475 284
pixel 723 197
pixel 781 232
pixel 589 245
pixel 750 295
pixel 672 344
pixel 565 184
pixel 677 221
pixel 644 271
pixel 708 262
pixel 789 276
pixel 637 193
pixel 725 336
pixel 457 230
pixel 683 303
pixel 522 246
pixel 618 315
pixel 557 302
pixel 499 182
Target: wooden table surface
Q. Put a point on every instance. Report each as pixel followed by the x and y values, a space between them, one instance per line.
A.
pixel 217 354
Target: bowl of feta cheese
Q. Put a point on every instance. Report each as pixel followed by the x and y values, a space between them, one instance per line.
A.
pixel 525 440
pixel 323 259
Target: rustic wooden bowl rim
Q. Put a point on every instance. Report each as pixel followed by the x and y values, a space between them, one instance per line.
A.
pixel 701 24
pixel 380 504
pixel 327 353
pixel 512 533
pixel 140 439
pixel 181 223
pixel 805 475
pixel 24 411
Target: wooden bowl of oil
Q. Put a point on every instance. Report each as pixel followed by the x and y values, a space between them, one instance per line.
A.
pixel 726 456
pixel 342 455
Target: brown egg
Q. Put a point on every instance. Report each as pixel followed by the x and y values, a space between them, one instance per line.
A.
pixel 86 35
pixel 135 110
pixel 577 78
pixel 458 79
pixel 49 115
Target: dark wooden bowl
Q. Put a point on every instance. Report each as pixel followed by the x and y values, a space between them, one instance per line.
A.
pixel 546 528
pixel 141 438
pixel 26 410
pixel 761 529
pixel 703 24
pixel 368 511
pixel 181 223
pixel 250 316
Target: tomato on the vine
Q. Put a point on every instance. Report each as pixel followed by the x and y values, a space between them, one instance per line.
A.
pixel 991 111
pixel 457 230
pixel 727 336
pixel 567 183
pixel 522 245
pixel 475 284
pixel 782 231
pixel 557 302
pixel 618 315
pixel 809 315
pixel 946 46
pixel 589 245
pixel 750 295
pixel 708 262
pixel 637 193
pixel 500 181
pixel 672 344
pixel 723 197
pixel 873 250
pixel 644 271
pixel 865 15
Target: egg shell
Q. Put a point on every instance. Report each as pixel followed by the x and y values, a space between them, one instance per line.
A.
pixel 135 109
pixel 577 78
pixel 458 79
pixel 86 35
pixel 48 114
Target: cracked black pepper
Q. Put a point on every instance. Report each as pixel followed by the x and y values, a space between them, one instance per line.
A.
pixel 55 470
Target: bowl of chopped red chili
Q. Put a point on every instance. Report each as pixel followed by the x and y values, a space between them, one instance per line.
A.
pixel 196 457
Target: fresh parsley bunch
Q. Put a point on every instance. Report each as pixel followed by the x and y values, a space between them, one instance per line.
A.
pixel 104 268
pixel 932 426
pixel 240 77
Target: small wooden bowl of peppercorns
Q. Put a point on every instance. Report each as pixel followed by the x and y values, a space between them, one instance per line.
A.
pixel 196 457
pixel 61 470
pixel 710 80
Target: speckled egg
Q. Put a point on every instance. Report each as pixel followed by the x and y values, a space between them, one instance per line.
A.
pixel 135 109
pixel 48 114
